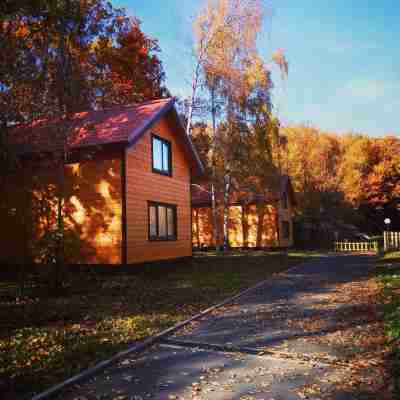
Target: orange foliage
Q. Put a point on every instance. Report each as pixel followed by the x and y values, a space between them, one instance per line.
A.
pixel 354 168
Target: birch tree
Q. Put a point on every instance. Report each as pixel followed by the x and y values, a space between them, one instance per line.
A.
pixel 225 32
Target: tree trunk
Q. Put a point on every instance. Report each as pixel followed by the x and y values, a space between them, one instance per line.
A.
pixel 260 224
pixel 213 169
pixel 245 226
pixel 193 97
pixel 27 233
pixel 197 228
pixel 214 217
pixel 59 265
pixel 227 185
pixel 195 83
pixel 65 102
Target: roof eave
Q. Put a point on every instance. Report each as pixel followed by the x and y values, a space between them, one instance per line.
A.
pixel 169 106
pixel 136 134
pixel 199 165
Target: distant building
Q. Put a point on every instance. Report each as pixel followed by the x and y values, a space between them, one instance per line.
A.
pixel 255 220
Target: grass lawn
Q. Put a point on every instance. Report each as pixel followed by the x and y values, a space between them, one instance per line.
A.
pixel 45 339
pixel 389 277
pixel 391 257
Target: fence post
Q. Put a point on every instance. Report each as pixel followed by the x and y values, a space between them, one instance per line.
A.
pixel 391 240
pixel 364 246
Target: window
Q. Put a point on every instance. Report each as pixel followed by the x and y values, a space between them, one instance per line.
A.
pixel 285 230
pixel 162 221
pixel 161 155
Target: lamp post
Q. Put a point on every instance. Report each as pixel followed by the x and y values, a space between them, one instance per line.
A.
pixel 387 222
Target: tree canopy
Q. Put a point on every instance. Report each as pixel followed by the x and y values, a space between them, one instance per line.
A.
pixel 73 55
pixel 338 173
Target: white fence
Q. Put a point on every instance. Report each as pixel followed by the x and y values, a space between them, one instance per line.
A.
pixel 358 247
pixel 391 240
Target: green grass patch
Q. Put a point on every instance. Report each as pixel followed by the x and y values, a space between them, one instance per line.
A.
pixel 45 339
pixel 306 254
pixel 388 274
pixel 391 257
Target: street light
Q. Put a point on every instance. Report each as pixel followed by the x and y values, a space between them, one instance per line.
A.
pixel 387 222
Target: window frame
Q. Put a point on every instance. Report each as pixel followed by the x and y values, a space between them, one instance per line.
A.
pixel 167 238
pixel 169 145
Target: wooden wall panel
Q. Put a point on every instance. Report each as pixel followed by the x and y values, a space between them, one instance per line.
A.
pixel 235 226
pixel 97 208
pixel 203 232
pixel 92 209
pixel 143 185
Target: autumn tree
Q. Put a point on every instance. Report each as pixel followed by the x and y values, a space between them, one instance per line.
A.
pixel 355 166
pixel 225 33
pixel 314 172
pixel 108 59
pixel 128 70
pixel 382 184
pixel 348 176
pixel 259 172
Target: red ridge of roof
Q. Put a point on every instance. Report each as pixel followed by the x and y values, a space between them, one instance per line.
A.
pixel 118 124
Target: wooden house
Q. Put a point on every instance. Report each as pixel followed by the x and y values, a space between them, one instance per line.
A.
pixel 128 182
pixel 254 220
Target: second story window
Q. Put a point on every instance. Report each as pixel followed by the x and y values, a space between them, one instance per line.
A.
pixel 161 155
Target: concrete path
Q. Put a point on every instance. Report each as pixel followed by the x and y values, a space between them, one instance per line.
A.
pixel 285 340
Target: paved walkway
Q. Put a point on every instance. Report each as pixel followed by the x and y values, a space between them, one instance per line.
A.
pixel 289 339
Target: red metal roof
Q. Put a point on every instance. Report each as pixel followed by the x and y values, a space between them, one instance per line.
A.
pixel 91 128
pixel 117 125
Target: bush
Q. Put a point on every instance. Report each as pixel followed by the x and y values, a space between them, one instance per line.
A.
pixel 60 246
pixel 56 249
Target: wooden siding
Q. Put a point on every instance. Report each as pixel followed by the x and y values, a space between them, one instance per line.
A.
pixel 92 209
pixel 202 227
pixel 143 185
pixel 241 218
pixel 97 208
pixel 238 217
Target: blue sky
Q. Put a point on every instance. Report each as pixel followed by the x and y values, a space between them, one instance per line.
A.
pixel 344 58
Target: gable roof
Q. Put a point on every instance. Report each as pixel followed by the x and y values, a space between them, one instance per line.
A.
pixel 122 125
